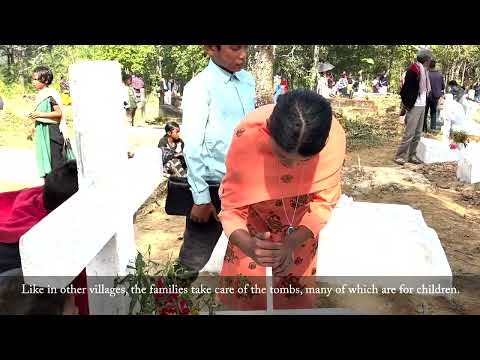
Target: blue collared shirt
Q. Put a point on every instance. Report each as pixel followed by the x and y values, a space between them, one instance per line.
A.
pixel 213 104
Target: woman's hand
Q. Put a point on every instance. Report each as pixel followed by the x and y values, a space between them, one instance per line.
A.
pixel 287 252
pixel 259 248
pixel 34 115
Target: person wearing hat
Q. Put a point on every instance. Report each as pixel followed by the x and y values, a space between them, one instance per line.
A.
pixel 322 85
pixel 414 98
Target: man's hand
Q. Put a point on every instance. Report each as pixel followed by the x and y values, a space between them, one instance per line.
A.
pixel 202 213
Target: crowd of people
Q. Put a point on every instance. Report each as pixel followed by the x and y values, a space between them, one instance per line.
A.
pixel 346 86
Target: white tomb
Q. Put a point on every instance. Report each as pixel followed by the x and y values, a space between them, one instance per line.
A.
pixel 431 151
pixel 468 167
pixel 388 244
pixel 460 114
pixel 94 228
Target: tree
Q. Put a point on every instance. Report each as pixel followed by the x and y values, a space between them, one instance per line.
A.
pixel 261 66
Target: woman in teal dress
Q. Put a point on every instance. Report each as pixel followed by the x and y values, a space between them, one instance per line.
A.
pixel 50 145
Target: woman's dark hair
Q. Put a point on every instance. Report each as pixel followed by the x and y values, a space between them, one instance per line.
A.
pixel 452 83
pixel 300 122
pixel 60 184
pixel 44 74
pixel 169 126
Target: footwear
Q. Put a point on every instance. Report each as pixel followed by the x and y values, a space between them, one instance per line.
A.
pixel 399 161
pixel 414 160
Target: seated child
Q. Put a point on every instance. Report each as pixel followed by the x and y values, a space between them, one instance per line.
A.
pixel 172 150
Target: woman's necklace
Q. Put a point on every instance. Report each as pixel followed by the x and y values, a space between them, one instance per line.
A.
pixel 291 228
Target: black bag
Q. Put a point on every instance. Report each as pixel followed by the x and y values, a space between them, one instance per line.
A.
pixel 67 151
pixel 179 197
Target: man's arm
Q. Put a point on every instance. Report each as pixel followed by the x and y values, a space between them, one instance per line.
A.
pixel 194 121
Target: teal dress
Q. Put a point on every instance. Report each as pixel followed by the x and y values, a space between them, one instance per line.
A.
pixel 50 146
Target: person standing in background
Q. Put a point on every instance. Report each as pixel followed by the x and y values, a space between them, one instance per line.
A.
pixel 138 87
pixel 414 99
pixel 343 84
pixel 277 80
pixel 438 86
pixel 322 86
pixel 129 102
pixel 49 123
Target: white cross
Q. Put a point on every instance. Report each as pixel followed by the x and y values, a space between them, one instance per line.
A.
pixel 94 228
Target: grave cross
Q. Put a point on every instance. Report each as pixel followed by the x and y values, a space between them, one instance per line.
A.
pixel 94 228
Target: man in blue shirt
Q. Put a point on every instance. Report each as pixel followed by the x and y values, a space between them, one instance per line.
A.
pixel 214 102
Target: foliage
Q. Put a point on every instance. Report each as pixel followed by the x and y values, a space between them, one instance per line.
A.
pixel 293 62
pixel 148 274
pixel 182 62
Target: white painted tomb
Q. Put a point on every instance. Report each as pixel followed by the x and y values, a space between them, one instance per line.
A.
pixel 468 167
pixel 431 151
pixel 94 228
pixel 388 244
pixel 460 114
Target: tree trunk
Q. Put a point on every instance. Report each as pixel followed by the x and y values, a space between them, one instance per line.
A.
pixel 161 94
pixel 316 56
pixel 463 73
pixel 262 70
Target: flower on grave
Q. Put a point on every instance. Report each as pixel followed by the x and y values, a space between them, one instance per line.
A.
pixel 453 146
pixel 164 282
pixel 170 303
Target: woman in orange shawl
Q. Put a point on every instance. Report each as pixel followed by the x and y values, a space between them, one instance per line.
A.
pixel 283 172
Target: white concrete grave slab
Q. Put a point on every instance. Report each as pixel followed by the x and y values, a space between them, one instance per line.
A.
pixel 432 151
pixel 94 228
pixel 460 114
pixel 468 167
pixel 384 242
